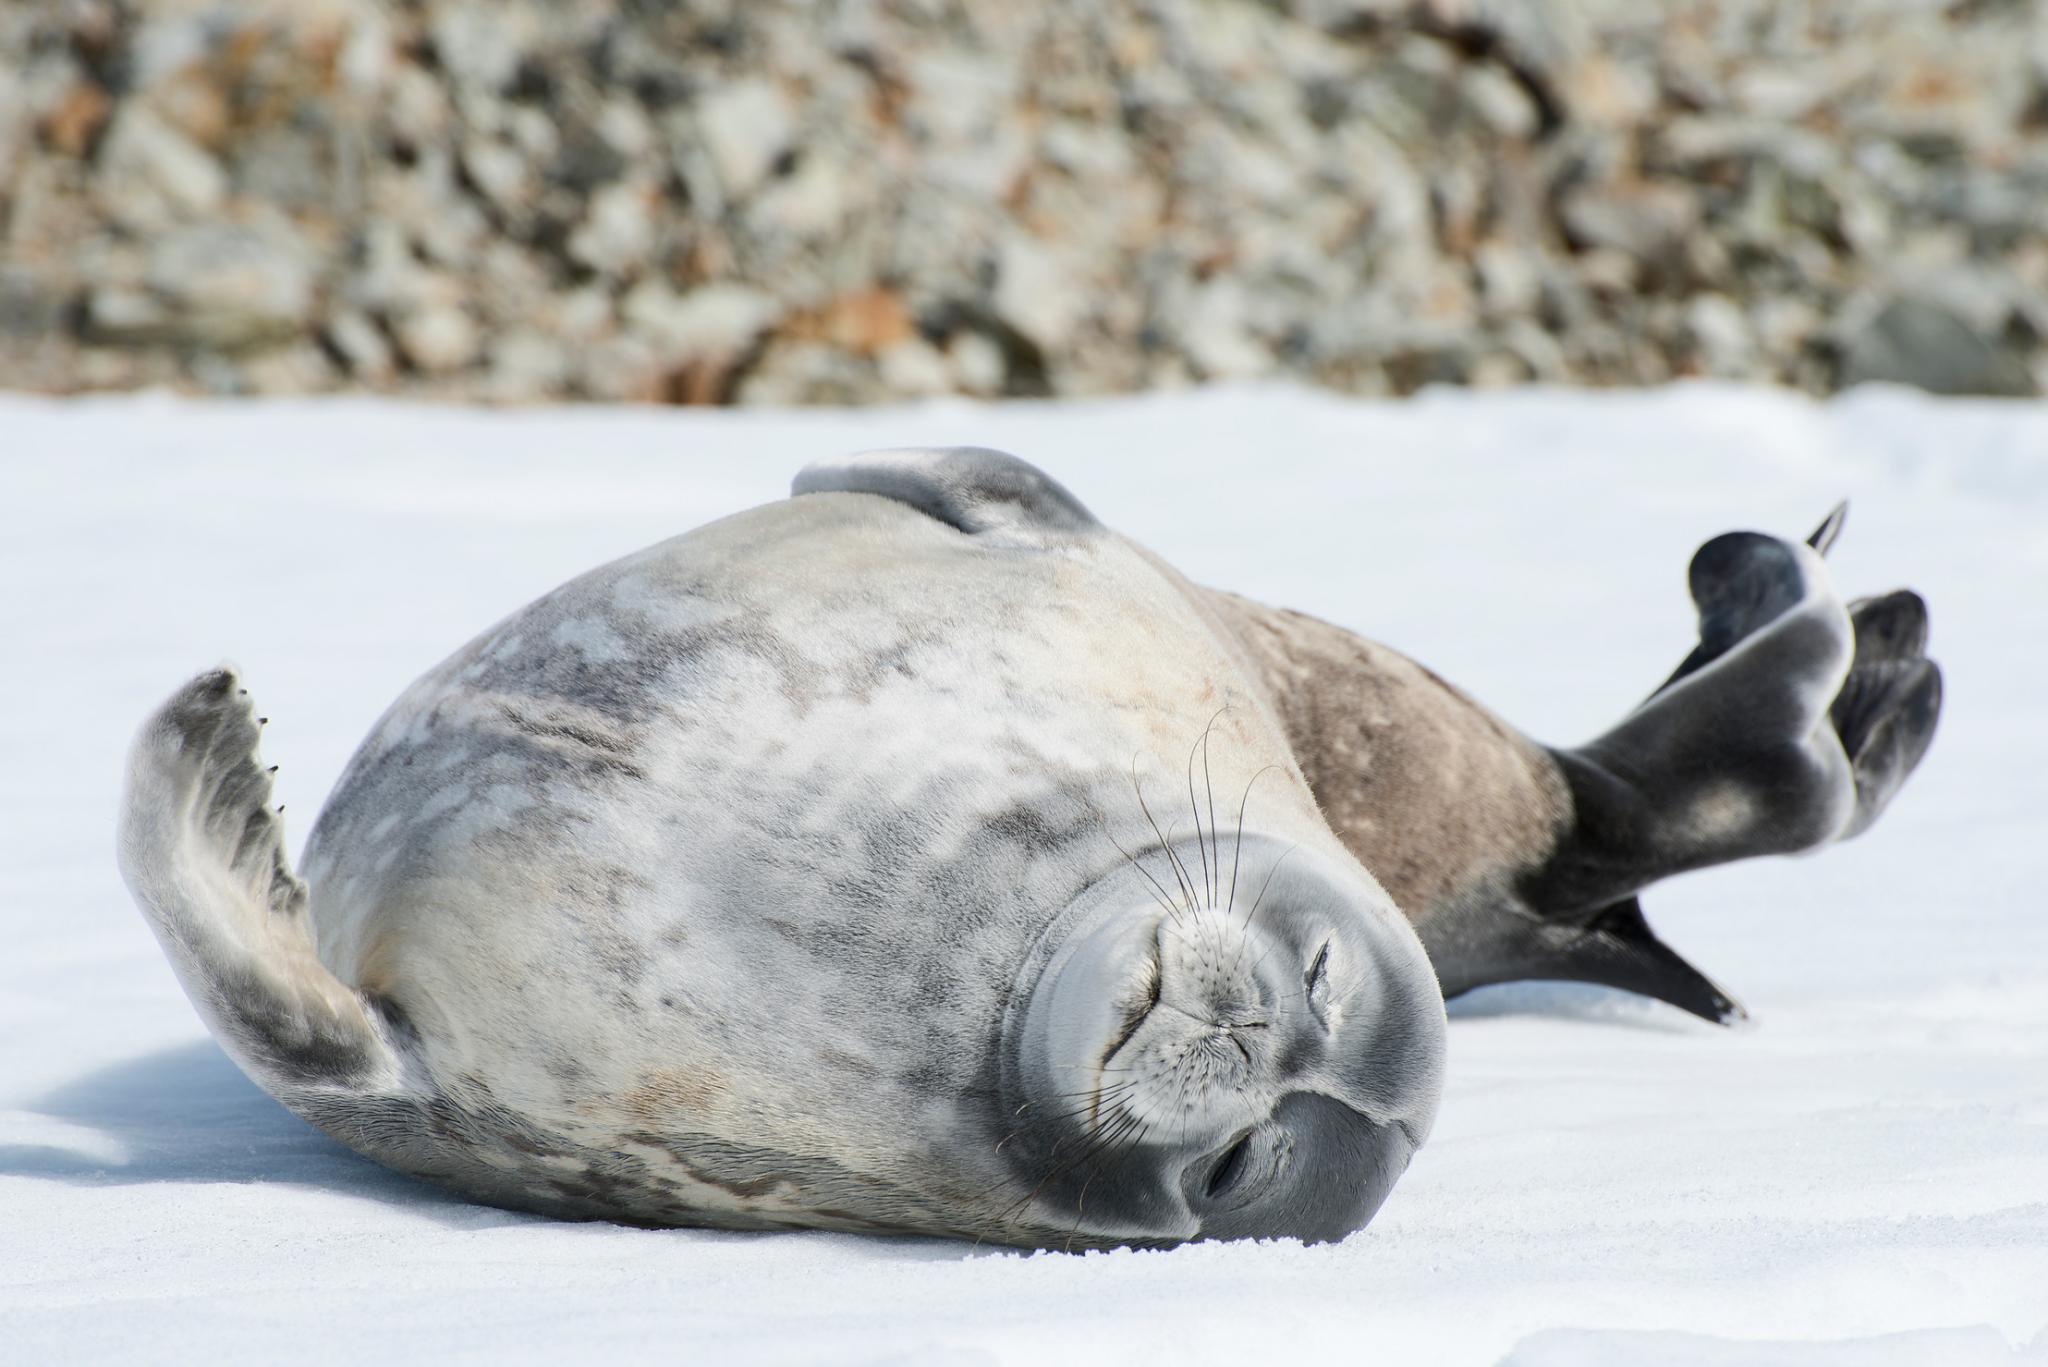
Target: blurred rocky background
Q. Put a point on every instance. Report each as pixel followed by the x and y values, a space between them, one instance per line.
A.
pixel 766 201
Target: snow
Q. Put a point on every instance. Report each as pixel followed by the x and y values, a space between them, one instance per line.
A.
pixel 1860 1177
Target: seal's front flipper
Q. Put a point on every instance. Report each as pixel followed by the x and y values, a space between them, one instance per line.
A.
pixel 971 488
pixel 203 853
pixel 1618 949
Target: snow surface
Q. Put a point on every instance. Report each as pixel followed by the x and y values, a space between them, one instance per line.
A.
pixel 1861 1177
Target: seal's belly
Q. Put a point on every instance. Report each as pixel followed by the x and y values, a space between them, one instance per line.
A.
pixel 794 790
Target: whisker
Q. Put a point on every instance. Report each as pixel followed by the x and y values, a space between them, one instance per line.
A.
pixel 1238 849
pixel 1094 1145
pixel 1158 889
pixel 1096 1163
pixel 1139 789
pixel 1267 884
pixel 1187 875
pixel 1093 1163
pixel 1215 840
pixel 1200 848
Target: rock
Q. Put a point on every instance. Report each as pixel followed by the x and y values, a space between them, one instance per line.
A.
pixel 1648 221
pixel 804 373
pixel 216 287
pixel 1038 293
pixel 1918 341
pixel 618 234
pixel 438 338
pixel 234 287
pixel 585 158
pixel 76 119
pixel 813 202
pixel 915 368
pixel 1720 330
pixel 579 316
pixel 361 346
pixel 1604 93
pixel 713 324
pixel 192 101
pixel 417 110
pixel 1783 326
pixel 291 168
pixel 500 172
pixel 1215 337
pixel 129 317
pixel 746 127
pixel 149 172
pixel 482 45
pixel 708 202
pixel 1496 370
pixel 1510 281
pixel 620 369
pixel 1536 349
pixel 526 365
pixel 976 363
pixel 29 309
pixel 299 369
pixel 626 130
pixel 867 322
pixel 1498 101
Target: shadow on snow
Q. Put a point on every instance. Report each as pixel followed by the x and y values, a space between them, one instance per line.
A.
pixel 188 1115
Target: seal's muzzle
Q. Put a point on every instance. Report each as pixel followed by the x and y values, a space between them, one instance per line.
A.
pixel 1202 1066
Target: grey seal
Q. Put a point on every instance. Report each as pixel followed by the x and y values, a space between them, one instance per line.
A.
pixel 918 855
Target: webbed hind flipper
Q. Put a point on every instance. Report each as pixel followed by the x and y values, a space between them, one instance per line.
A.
pixel 971 488
pixel 1789 726
pixel 1740 582
pixel 1885 709
pixel 1886 712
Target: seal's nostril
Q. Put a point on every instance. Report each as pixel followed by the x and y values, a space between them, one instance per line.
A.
pixel 1229 1169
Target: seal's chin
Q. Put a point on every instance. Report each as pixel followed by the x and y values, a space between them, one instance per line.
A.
pixel 1203 1067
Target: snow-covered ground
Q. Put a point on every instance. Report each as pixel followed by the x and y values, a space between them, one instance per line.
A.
pixel 1861 1177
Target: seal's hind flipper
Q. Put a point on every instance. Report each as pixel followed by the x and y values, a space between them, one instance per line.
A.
pixel 1790 725
pixel 971 488
pixel 1888 706
pixel 1742 587
pixel 1823 538
pixel 1733 756
pixel 203 853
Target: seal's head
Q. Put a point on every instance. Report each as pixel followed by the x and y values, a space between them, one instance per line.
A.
pixel 1252 1048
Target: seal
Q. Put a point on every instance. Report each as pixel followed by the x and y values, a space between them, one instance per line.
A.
pixel 918 855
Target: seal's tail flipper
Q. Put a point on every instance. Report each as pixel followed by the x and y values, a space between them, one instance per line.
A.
pixel 203 853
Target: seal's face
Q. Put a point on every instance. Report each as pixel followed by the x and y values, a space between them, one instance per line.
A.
pixel 1210 1062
